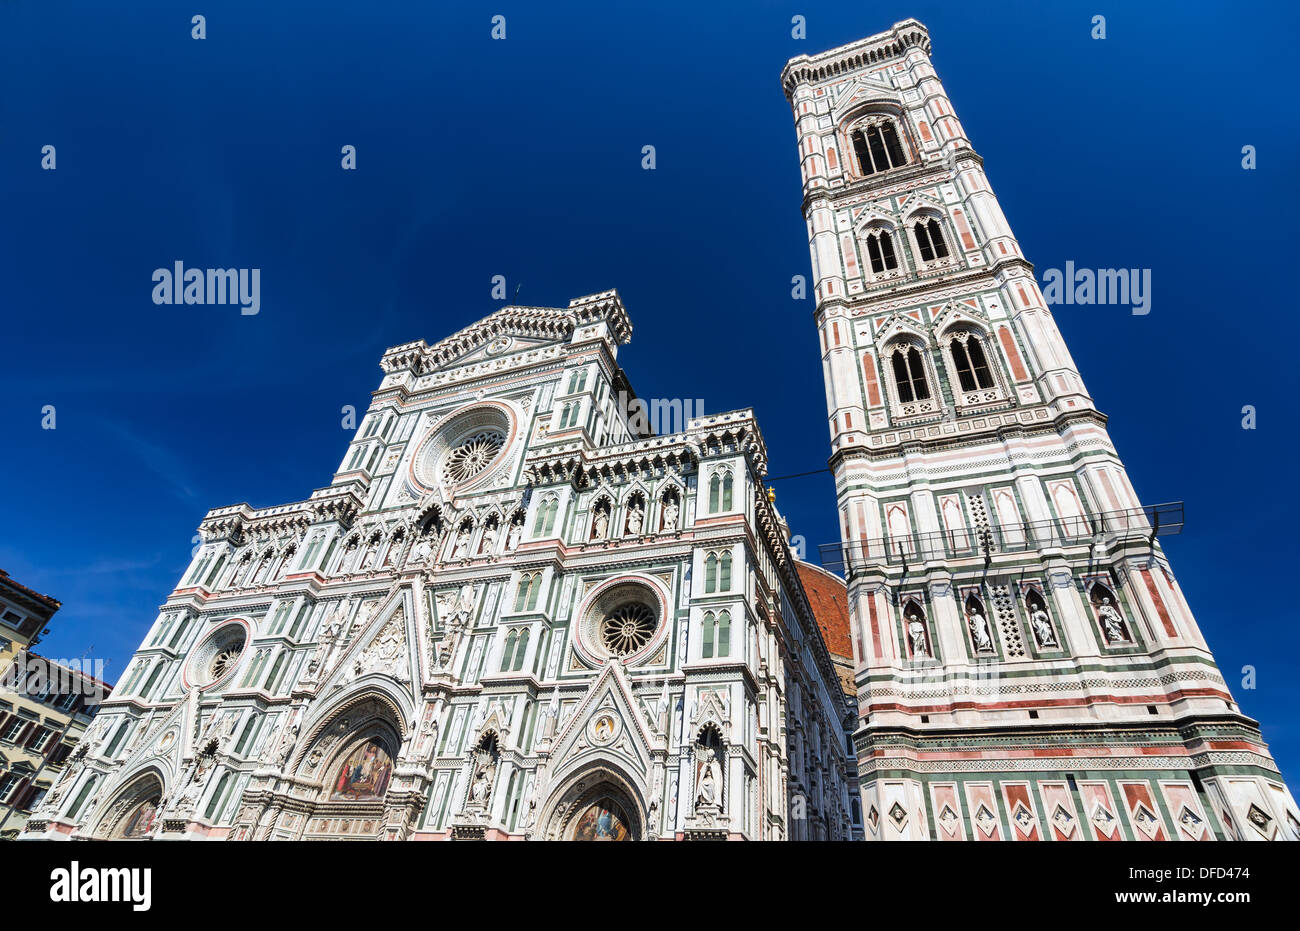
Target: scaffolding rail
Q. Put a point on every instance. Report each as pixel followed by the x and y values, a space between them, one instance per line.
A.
pixel 1109 528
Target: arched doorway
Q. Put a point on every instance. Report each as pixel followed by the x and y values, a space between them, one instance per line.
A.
pixel 134 813
pixel 599 804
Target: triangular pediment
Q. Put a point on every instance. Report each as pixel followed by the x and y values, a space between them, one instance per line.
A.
pixel 384 644
pixel 864 89
pixel 606 723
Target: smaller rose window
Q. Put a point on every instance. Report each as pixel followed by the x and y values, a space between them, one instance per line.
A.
pixel 471 456
pixel 628 628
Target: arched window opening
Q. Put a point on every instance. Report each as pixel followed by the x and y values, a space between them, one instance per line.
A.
pixel 710 573
pixel 972 365
pixel 726 492
pixel 707 628
pixel 508 651
pixel 880 251
pixel 715 485
pixel 909 374
pixel 521 650
pixel 724 633
pixel 724 574
pixel 929 239
pixel 877 147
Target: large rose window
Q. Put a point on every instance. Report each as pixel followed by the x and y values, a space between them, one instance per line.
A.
pixel 628 628
pixel 471 456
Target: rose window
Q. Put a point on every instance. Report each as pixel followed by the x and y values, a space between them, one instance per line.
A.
pixel 628 628
pixel 217 656
pixel 472 456
pixel 225 661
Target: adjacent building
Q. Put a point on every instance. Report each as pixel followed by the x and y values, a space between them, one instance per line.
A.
pixel 45 707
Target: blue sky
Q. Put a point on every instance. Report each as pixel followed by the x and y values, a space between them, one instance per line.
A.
pixel 522 158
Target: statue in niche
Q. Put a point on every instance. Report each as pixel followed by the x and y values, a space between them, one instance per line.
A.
pixel 600 523
pixel 368 560
pixel 489 543
pixel 421 552
pixel 979 631
pixel 1042 625
pixel 1111 622
pixel 709 790
pixel 515 532
pixel 462 544
pixel 635 518
pixel 916 633
pixel 671 509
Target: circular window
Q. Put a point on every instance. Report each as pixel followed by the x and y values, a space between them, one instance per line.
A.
pixel 622 620
pixel 628 628
pixel 471 456
pixel 463 447
pixel 217 657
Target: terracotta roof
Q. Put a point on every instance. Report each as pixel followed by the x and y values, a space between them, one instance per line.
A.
pixel 52 603
pixel 829 598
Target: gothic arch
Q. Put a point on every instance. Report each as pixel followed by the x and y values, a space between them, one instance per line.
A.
pixel 372 707
pixel 128 816
pixel 579 788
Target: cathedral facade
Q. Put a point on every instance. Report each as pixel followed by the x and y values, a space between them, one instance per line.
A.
pixel 514 613
pixel 1026 664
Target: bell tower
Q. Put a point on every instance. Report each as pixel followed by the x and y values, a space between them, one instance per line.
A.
pixel 1027 666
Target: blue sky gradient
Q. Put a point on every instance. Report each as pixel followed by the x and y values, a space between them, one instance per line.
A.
pixel 522 158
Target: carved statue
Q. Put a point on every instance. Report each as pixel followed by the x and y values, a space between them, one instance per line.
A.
pixel 635 519
pixel 462 544
pixel 420 553
pixel 600 525
pixel 670 514
pixel 916 632
pixel 368 561
pixel 1042 625
pixel 979 631
pixel 710 784
pixel 489 543
pixel 1111 621
pixel 513 535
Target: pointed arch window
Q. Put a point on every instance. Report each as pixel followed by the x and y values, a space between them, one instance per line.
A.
pixel 724 573
pixel 972 365
pixel 521 649
pixel 880 252
pixel 909 374
pixel 708 628
pixel 929 239
pixel 724 633
pixel 715 486
pixel 877 147
pixel 726 492
pixel 710 573
pixel 508 651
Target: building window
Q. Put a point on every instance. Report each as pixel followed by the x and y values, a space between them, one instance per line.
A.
pixel 724 633
pixel 880 252
pixel 909 374
pixel 710 573
pixel 972 365
pixel 929 239
pixel 708 629
pixel 877 147
pixel 8 782
pixel 720 487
